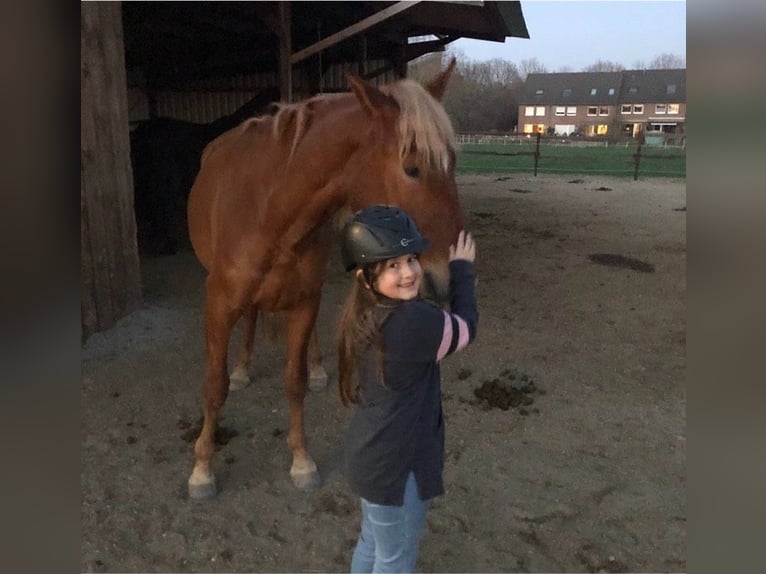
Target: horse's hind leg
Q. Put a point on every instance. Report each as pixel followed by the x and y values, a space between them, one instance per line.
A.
pixel 239 376
pixel 300 322
pixel 220 317
pixel 317 374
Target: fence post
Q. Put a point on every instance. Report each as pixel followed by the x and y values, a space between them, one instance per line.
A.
pixel 537 152
pixel 637 156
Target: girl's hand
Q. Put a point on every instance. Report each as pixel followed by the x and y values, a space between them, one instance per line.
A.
pixel 465 248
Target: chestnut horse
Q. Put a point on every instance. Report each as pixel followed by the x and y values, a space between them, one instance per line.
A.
pixel 259 221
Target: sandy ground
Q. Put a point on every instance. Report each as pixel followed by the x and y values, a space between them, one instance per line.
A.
pixel 586 474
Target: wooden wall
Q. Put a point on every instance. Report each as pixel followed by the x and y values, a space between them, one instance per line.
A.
pixel 110 274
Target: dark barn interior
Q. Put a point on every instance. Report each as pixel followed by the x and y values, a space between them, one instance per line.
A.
pixel 137 171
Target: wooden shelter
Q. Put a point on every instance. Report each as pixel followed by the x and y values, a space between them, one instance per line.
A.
pixel 177 45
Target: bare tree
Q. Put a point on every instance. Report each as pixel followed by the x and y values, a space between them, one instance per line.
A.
pixel 604 66
pixel 531 66
pixel 667 62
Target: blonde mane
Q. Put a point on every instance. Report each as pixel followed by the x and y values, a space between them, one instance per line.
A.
pixel 423 123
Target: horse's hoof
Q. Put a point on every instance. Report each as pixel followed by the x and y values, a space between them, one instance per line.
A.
pixel 238 380
pixel 203 491
pixel 318 383
pixel 307 481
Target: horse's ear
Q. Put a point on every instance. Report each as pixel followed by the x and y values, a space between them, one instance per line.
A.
pixel 372 99
pixel 437 86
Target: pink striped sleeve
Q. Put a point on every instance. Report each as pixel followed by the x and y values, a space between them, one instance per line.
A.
pixel 446 337
pixel 463 335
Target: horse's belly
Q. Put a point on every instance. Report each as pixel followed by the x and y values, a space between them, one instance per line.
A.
pixel 283 290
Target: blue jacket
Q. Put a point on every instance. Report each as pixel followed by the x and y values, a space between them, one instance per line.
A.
pixel 398 426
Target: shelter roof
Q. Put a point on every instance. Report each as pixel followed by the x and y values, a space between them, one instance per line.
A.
pixel 171 43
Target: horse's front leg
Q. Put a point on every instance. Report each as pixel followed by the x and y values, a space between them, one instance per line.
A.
pixel 239 376
pixel 220 317
pixel 299 325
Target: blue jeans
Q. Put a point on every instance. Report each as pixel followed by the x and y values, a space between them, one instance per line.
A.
pixel 390 535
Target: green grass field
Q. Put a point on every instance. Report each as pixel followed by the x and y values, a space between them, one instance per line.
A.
pixel 615 160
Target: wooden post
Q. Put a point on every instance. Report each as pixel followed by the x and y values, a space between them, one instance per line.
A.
pixel 110 274
pixel 637 156
pixel 537 152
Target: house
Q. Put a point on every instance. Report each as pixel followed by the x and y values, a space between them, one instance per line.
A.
pixel 603 103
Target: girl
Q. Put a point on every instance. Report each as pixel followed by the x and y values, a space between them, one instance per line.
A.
pixel 393 341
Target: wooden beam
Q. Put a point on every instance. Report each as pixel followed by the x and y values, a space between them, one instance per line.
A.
pixel 351 30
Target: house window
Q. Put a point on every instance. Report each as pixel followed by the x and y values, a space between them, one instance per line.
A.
pixel 540 110
pixel 567 92
pixel 592 110
pixel 611 91
pixel 571 110
pixel 626 109
pixel 560 110
pixel 633 90
pixel 593 91
pixel 529 111
pixel 601 129
pixel 534 128
pixel 673 108
pixel 603 110
pixel 660 109
pixel 638 108
pixel 670 89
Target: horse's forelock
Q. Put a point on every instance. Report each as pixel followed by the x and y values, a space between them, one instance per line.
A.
pixel 422 123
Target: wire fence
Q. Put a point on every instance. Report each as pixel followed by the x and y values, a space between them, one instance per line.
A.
pixel 482 153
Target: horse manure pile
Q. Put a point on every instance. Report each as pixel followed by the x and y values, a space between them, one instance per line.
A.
pixel 509 390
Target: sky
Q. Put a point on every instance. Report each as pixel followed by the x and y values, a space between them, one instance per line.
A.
pixel 578 33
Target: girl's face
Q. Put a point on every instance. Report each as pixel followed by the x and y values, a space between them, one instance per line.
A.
pixel 400 277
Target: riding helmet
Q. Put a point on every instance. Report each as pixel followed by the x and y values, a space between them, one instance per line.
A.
pixel 377 233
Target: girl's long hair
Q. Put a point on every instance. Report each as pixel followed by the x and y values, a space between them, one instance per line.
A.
pixel 358 329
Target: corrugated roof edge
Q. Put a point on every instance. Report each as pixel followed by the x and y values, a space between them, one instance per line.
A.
pixel 513 18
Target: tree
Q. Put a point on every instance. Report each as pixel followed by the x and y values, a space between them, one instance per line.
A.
pixel 531 66
pixel 604 66
pixel 667 62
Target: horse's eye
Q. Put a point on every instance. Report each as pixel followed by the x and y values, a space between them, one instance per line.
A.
pixel 412 171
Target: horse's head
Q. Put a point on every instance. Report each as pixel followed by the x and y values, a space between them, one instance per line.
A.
pixel 406 157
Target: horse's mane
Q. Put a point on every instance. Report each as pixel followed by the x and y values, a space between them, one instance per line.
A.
pixel 423 123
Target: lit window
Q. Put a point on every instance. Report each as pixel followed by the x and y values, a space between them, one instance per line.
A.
pixel 633 90
pixel 567 92
pixel 626 109
pixel 593 91
pixel 571 110
pixel 529 128
pixel 540 111
pixel 603 110
pixel 592 110
pixel 673 108
pixel 529 111
pixel 660 109
pixel 560 110
pixel 611 91
pixel 670 89
pixel 601 129
pixel 638 108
